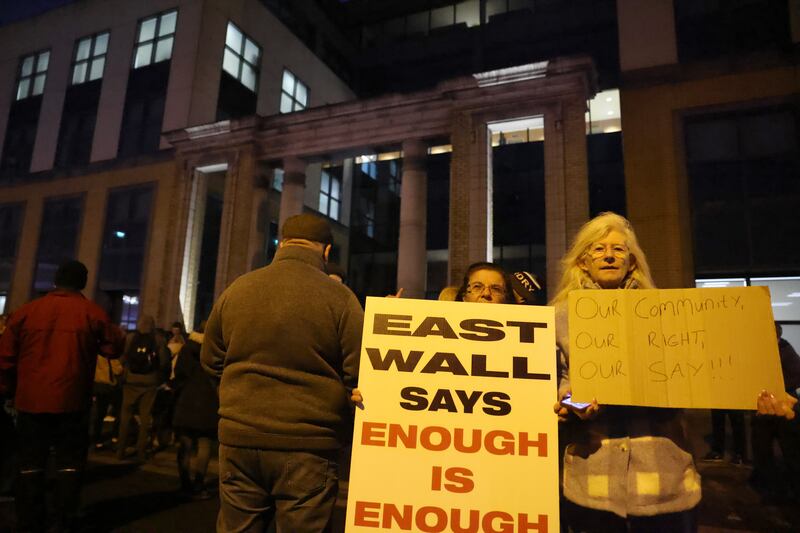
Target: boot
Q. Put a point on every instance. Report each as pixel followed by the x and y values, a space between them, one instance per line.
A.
pixel 67 497
pixel 199 491
pixel 30 503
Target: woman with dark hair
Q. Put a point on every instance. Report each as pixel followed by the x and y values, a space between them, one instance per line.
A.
pixel 485 283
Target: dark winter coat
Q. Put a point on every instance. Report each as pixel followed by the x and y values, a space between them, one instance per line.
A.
pixel 197 404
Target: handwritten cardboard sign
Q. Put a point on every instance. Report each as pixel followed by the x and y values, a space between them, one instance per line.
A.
pixel 457 431
pixel 704 348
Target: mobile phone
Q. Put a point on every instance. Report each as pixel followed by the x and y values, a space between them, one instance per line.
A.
pixel 580 406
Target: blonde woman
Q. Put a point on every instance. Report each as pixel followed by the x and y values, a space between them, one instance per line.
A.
pixel 625 468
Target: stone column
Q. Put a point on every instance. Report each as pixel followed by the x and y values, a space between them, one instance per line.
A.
pixel 294 188
pixel 94 208
pixel 566 181
pixel 470 232
pixel 412 250
pixel 234 242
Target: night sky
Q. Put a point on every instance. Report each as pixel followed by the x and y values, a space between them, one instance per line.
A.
pixel 13 10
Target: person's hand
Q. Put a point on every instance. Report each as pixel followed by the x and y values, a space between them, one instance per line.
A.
pixel 769 405
pixel 396 295
pixel 563 411
pixel 357 398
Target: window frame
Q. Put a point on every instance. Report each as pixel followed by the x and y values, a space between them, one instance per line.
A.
pixel 90 59
pixel 154 40
pixel 296 105
pixel 242 58
pixel 328 197
pixel 33 75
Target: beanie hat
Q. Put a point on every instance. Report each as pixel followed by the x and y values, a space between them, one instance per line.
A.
pixel 71 275
pixel 308 227
pixel 525 284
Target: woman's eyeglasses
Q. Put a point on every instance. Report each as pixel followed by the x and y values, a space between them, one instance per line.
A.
pixel 478 288
pixel 597 251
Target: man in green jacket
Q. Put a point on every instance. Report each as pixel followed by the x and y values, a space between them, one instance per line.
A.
pixel 284 341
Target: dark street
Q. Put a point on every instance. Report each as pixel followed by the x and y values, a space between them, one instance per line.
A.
pixel 123 497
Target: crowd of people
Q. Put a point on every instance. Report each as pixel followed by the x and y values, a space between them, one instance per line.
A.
pixel 273 376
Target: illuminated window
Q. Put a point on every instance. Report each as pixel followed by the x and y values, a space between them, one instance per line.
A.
pixel 241 57
pixel 90 58
pixel 394 176
pixel 294 93
pixel 129 312
pixel 155 38
pixel 369 165
pixel 32 75
pixel 330 194
pixel 277 179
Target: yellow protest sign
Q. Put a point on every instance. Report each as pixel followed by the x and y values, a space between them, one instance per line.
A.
pixel 703 348
pixel 457 431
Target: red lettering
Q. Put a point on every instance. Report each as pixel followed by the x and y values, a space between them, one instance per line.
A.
pixel 371 434
pixel 461 480
pixel 427 443
pixel 436 482
pixel 506 524
pixel 455 521
pixel 507 445
pixel 540 525
pixel 475 445
pixel 391 512
pixel 540 443
pixel 362 514
pixel 408 439
pixel 438 513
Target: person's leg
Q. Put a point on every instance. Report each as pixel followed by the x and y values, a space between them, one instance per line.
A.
pixel 129 396
pixel 184 462
pixel 737 427
pixel 763 433
pixel 102 399
pixel 145 422
pixel 200 463
pixel 244 503
pixel 305 493
pixel 789 440
pixel 33 444
pixel 116 410
pixel 70 443
pixel 717 434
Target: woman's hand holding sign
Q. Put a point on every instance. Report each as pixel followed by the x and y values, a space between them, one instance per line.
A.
pixel 584 411
pixel 769 405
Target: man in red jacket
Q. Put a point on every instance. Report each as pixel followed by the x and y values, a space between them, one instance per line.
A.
pixel 47 359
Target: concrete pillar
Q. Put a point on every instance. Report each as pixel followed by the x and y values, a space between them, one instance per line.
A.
pixel 191 224
pixel 259 217
pixel 566 181
pixel 112 96
pixel 470 232
pixel 58 73
pixel 233 258
pixel 412 250
pixel 294 188
pixel 91 234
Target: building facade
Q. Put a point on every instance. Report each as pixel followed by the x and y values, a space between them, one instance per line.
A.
pixel 162 143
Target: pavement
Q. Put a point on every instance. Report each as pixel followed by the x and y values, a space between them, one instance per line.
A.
pixel 125 497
